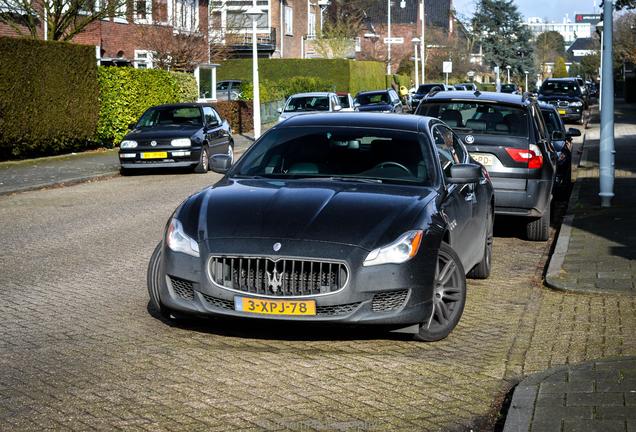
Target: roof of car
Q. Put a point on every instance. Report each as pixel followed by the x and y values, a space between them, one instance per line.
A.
pixel 507 98
pixel 359 119
pixel 309 94
pixel 373 91
pixel 184 105
pixel 546 106
pixel 562 79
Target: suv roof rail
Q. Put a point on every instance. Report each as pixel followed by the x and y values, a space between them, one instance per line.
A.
pixel 433 91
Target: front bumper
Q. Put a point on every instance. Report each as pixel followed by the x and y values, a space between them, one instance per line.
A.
pixel 390 294
pixel 175 158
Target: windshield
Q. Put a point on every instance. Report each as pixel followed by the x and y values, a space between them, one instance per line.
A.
pixel 425 88
pixel 478 117
pixel 377 155
pixel 307 103
pixel 569 88
pixel 508 88
pixel 171 116
pixel 344 101
pixel 373 98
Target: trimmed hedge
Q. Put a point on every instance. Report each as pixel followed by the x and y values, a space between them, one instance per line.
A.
pixel 125 93
pixel 346 75
pixel 238 113
pixel 48 97
pixel 487 87
pixel 272 91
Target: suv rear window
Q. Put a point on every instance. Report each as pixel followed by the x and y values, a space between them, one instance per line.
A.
pixel 479 118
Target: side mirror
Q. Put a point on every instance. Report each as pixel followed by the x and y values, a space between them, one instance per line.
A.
pixel 557 136
pixel 212 124
pixel 279 110
pixel 131 126
pixel 464 173
pixel 356 104
pixel 573 132
pixel 337 107
pixel 220 163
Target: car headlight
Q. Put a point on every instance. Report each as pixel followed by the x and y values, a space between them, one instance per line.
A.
pixel 576 104
pixel 178 241
pixel 181 142
pixel 401 250
pixel 126 144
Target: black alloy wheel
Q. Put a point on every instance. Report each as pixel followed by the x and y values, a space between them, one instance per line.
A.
pixel 539 229
pixel 204 161
pixel 449 297
pixel 482 269
pixel 154 281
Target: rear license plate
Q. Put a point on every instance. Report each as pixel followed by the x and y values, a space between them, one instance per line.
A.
pixel 484 159
pixel 562 112
pixel 154 155
pixel 274 307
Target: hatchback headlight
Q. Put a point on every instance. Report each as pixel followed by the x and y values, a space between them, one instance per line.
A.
pixel 401 250
pixel 576 104
pixel 128 144
pixel 178 241
pixel 181 142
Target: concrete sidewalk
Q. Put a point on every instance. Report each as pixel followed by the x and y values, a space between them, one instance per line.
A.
pixel 596 247
pixel 33 174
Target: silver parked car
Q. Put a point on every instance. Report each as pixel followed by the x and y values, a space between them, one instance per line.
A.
pixel 303 103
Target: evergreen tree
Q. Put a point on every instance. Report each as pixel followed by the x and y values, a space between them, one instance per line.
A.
pixel 560 71
pixel 504 38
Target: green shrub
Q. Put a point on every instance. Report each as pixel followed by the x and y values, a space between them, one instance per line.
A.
pixel 276 90
pixel 186 86
pixel 238 113
pixel 269 91
pixel 48 98
pixel 491 87
pixel 125 93
pixel 365 75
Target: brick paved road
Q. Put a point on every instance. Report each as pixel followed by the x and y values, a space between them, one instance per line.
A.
pixel 79 350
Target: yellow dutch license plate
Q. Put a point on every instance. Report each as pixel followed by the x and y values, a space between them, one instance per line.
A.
pixel 154 155
pixel 562 112
pixel 484 159
pixel 274 307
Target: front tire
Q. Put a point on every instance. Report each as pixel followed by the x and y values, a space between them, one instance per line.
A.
pixel 482 270
pixel 539 229
pixel 204 162
pixel 155 280
pixel 449 297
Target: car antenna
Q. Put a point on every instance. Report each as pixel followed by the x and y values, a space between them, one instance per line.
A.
pixel 433 91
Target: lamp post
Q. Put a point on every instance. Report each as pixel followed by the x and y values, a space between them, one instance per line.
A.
pixel 423 45
pixel 255 13
pixel 526 72
pixel 388 58
pixel 599 30
pixel 416 41
pixel 606 153
pixel 508 69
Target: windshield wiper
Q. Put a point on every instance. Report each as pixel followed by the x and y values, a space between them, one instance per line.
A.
pixel 349 179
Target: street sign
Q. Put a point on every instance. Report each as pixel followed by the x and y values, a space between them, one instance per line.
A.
pixel 587 18
pixel 447 67
pixel 394 40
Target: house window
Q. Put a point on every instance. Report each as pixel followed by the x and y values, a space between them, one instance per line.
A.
pixel 358 44
pixel 312 25
pixel 289 21
pixel 143 59
pixel 120 13
pixel 185 14
pixel 143 11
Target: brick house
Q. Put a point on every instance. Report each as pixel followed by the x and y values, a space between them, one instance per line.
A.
pixel 283 29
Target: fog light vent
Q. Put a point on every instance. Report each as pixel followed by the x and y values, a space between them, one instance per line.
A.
pixel 389 300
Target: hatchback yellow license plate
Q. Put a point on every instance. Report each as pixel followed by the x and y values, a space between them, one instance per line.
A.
pixel 154 155
pixel 274 307
pixel 562 112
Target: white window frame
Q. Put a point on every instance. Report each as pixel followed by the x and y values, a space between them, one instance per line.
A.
pixel 311 26
pixel 122 11
pixel 148 18
pixel 289 21
pixel 174 16
pixel 140 60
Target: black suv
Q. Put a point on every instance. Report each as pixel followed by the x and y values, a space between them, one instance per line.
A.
pixel 566 95
pixel 378 101
pixel 507 134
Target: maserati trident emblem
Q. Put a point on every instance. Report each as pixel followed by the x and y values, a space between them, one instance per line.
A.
pixel 275 280
pixel 276 247
pixel 153 143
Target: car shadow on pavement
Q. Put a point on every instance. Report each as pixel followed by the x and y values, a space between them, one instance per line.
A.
pixel 278 330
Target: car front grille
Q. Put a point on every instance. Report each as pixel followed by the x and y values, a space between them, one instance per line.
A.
pixel 389 300
pixel 283 277
pixel 561 104
pixel 182 288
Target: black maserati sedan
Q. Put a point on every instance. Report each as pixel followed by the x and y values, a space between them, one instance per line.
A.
pixel 351 218
pixel 179 135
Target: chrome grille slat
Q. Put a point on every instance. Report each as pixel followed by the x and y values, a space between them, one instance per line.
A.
pixel 291 277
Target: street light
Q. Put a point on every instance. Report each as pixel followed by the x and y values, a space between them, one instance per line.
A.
pixel 255 13
pixel 388 63
pixel 526 72
pixel 606 151
pixel 415 42
pixel 599 30
pixel 508 68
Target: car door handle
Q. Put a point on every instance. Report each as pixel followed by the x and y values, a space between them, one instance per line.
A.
pixel 483 181
pixel 470 197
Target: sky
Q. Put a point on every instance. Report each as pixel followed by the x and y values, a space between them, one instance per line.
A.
pixel 553 10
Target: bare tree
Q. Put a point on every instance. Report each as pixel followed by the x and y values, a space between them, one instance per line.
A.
pixel 178 52
pixel 64 18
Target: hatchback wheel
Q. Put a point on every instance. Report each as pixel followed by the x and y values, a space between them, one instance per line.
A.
pixel 230 152
pixel 449 297
pixel 204 162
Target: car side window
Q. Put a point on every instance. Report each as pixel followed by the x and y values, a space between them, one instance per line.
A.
pixel 210 115
pixel 447 148
pixel 539 125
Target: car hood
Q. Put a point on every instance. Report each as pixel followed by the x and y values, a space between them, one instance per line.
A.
pixel 562 97
pixel 357 214
pixel 159 132
pixel 375 107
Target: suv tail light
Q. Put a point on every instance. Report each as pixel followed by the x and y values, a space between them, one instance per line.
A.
pixel 532 156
